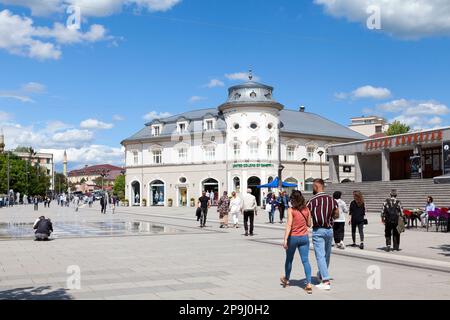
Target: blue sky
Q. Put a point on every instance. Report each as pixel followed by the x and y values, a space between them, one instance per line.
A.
pixel 86 90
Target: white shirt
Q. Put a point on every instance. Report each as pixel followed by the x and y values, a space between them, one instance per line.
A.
pixel 430 207
pixel 235 205
pixel 342 210
pixel 249 202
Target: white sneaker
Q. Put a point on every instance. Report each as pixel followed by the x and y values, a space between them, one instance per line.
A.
pixel 342 245
pixel 324 286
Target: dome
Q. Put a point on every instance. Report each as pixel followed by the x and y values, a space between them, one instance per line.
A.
pixel 251 93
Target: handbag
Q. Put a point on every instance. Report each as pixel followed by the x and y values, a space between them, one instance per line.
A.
pixel 366 222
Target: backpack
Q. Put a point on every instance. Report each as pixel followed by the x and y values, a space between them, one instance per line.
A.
pixel 392 212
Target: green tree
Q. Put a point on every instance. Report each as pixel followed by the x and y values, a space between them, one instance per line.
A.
pixel 24 149
pixel 119 187
pixel 23 177
pixel 397 128
pixel 61 184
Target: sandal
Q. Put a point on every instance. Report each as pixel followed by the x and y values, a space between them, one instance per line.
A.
pixel 284 282
pixel 308 289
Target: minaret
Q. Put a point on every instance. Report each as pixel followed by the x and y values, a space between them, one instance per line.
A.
pixel 2 142
pixel 65 164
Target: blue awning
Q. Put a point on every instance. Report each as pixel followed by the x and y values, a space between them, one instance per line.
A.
pixel 274 184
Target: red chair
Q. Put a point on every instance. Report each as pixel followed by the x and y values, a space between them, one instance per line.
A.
pixel 444 217
pixel 410 218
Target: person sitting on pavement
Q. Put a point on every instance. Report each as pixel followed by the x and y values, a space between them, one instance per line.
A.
pixel 43 227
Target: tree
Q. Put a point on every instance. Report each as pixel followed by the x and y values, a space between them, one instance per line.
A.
pixel 23 177
pixel 119 187
pixel 24 149
pixel 61 183
pixel 397 128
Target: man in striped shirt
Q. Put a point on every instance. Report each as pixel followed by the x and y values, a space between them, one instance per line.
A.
pixel 324 209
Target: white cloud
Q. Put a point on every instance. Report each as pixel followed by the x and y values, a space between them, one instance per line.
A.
pixel 97 8
pixel 95 124
pixel 240 76
pixel 152 115
pixel 118 117
pixel 417 114
pixel 19 36
pixel 91 155
pixel 401 18
pixel 214 83
pixel 195 99
pixel 23 94
pixel 73 136
pixel 365 92
pixel 4 116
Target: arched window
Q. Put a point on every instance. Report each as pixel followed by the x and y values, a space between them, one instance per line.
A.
pixel 309 185
pixel 310 152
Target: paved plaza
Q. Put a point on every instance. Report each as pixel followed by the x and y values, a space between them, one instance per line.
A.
pixel 160 253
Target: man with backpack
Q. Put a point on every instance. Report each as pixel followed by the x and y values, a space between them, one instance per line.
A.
pixel 390 216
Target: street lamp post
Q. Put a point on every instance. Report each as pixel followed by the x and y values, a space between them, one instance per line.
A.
pixel 304 161
pixel 320 155
pixel 280 166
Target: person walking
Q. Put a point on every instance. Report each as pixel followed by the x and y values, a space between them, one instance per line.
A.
pixel 273 203
pixel 103 204
pixel 204 204
pixel 296 237
pixel 36 203
pixel 235 209
pixel 390 215
pixel 283 201
pixel 357 217
pixel 223 206
pixel 430 207
pixel 249 210
pixel 339 223
pixel 323 209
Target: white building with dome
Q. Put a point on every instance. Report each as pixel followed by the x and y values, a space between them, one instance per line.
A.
pixel 231 148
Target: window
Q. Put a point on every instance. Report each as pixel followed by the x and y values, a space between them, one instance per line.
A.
pixel 182 154
pixel 236 126
pixel 253 94
pixel 269 151
pixel 378 129
pixel 310 153
pixel 345 159
pixel 291 153
pixel 210 154
pixel 157 157
pixel 183 180
pixel 236 151
pixel 209 125
pixel 253 148
pixel 156 131
pixel 270 126
pixel 182 127
pixel 254 125
pixel 135 158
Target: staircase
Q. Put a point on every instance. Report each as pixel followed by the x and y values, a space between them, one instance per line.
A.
pixel 412 193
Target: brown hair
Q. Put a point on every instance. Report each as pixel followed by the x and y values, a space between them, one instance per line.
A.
pixel 297 200
pixel 359 199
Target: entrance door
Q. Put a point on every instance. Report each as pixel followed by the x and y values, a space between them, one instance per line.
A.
pixel 211 187
pixel 182 197
pixel 253 184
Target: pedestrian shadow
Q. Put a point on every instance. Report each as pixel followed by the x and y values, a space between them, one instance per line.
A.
pixel 302 282
pixel 445 248
pixel 35 293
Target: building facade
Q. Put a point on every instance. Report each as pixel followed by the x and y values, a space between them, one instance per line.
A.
pixel 236 146
pixel 44 160
pixel 86 178
pixel 417 155
pixel 370 126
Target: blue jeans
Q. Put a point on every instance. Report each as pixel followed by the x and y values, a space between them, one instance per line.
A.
pixel 302 244
pixel 271 215
pixel 322 240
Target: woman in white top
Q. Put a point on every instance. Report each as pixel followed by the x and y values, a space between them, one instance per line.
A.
pixel 339 224
pixel 235 209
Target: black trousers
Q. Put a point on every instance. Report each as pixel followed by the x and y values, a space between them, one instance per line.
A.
pixel 205 214
pixel 360 227
pixel 390 231
pixel 281 208
pixel 249 215
pixel 338 231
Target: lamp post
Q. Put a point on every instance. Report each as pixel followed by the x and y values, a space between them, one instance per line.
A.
pixel 304 161
pixel 320 155
pixel 280 166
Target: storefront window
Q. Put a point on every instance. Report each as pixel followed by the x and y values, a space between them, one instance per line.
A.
pixel 157 193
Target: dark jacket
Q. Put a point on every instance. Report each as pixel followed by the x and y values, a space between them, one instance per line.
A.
pixel 357 213
pixel 44 226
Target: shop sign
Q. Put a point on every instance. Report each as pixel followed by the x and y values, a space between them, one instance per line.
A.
pixel 405 140
pixel 252 165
